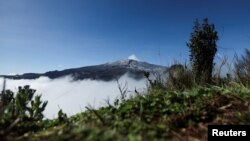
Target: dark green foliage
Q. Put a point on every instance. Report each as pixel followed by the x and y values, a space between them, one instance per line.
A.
pixel 6 98
pixel 62 117
pixel 242 68
pixel 21 113
pixel 154 115
pixel 202 45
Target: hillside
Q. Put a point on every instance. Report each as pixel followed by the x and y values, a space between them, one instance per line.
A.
pixel 105 72
pixel 159 115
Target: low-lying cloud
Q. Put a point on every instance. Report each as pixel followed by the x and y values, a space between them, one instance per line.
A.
pixel 72 96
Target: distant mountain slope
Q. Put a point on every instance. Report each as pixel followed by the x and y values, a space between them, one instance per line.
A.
pixel 106 72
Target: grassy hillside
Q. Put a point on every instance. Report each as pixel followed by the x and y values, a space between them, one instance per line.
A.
pixel 159 114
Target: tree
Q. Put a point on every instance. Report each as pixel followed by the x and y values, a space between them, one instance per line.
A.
pixel 202 45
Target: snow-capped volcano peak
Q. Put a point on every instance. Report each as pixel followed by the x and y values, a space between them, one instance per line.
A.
pixel 137 65
pixel 133 57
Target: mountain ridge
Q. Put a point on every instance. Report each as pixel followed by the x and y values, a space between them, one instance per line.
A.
pixel 106 72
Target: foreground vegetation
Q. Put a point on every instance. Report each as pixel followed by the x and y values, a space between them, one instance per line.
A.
pixel 159 114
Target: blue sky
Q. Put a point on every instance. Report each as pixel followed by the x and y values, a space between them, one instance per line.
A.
pixel 43 35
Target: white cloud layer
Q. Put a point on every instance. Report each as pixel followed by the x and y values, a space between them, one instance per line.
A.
pixel 72 96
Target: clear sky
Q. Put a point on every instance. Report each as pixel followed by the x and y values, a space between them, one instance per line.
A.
pixel 43 35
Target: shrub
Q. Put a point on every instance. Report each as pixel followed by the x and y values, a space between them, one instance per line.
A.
pixel 21 113
pixel 62 117
pixel 179 77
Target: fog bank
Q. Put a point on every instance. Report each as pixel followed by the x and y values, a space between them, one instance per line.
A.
pixel 72 96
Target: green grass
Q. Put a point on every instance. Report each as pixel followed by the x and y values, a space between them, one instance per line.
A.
pixel 159 114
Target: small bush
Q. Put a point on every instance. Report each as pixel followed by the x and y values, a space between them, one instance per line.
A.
pixel 180 77
pixel 62 117
pixel 21 113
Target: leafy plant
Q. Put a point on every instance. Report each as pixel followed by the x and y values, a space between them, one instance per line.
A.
pixel 21 113
pixel 62 117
